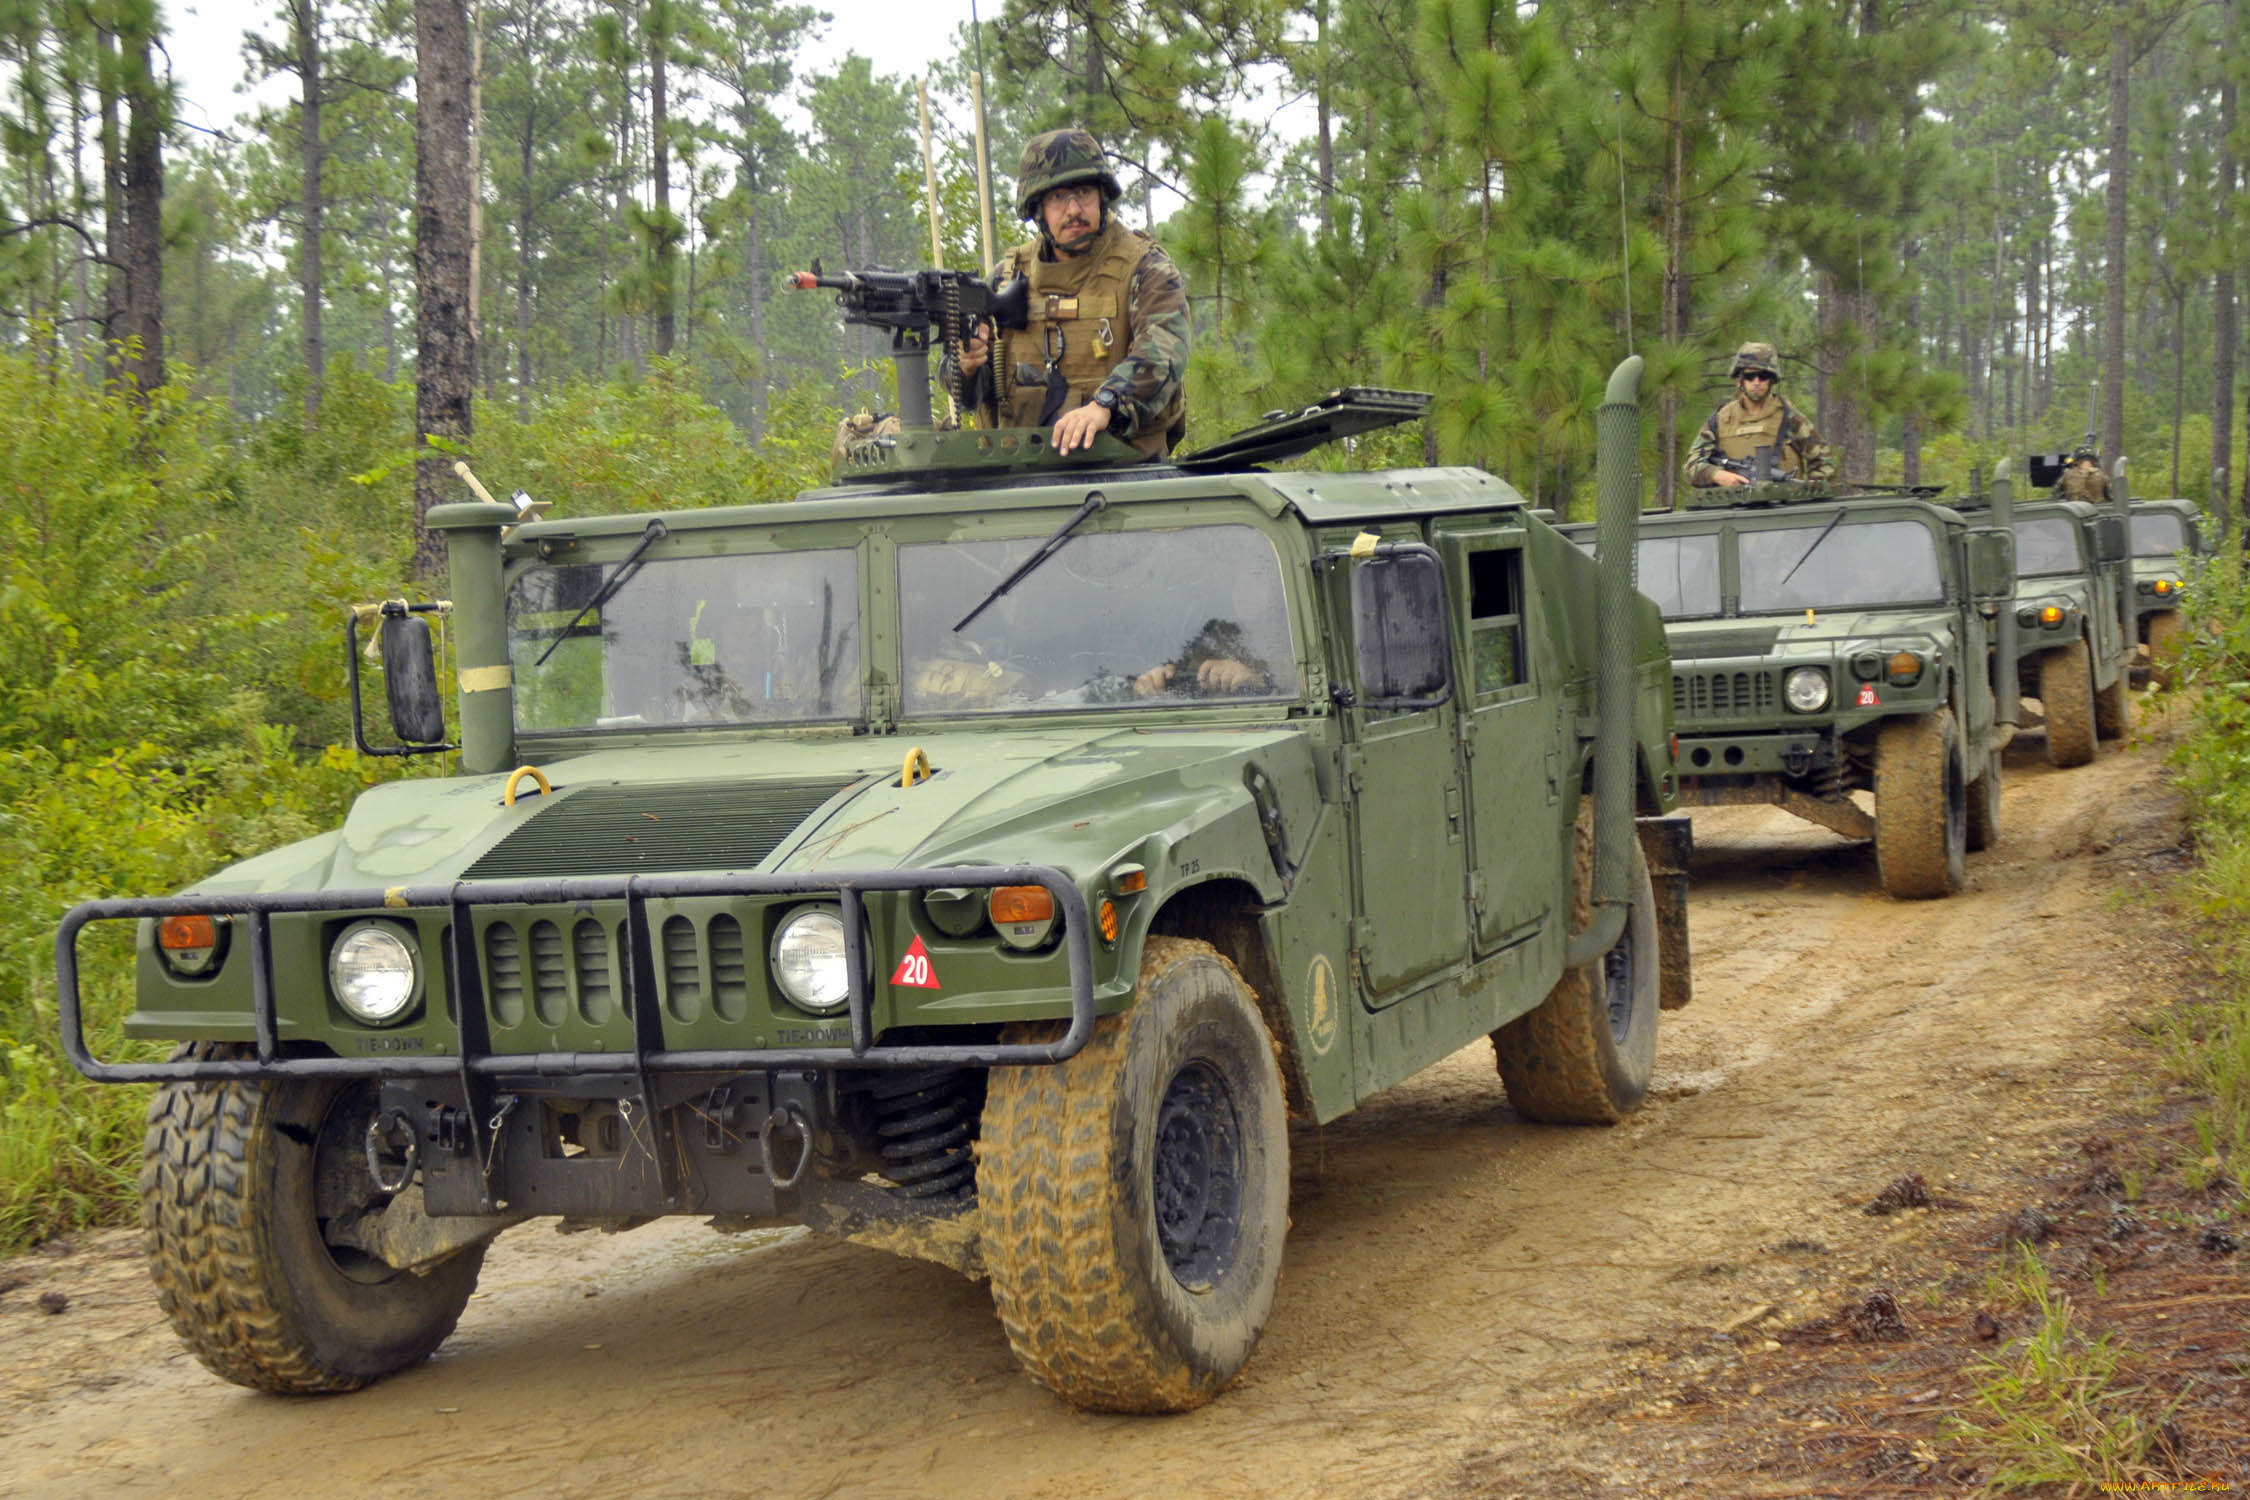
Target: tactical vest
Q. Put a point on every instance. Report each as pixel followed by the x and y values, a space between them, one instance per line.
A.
pixel 1087 304
pixel 2084 484
pixel 1742 435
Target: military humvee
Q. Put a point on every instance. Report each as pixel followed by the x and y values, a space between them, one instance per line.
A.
pixel 2073 654
pixel 983 858
pixel 1826 640
pixel 2167 536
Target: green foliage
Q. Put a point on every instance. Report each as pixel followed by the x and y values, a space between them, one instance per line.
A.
pixel 2051 1407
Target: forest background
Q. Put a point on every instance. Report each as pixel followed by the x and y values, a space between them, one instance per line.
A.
pixel 1973 230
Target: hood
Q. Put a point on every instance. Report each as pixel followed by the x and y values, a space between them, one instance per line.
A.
pixel 1071 797
pixel 1825 637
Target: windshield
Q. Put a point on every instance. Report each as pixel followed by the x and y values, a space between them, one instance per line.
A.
pixel 1113 618
pixel 1859 563
pixel 2158 533
pixel 767 639
pixel 2047 544
pixel 1681 573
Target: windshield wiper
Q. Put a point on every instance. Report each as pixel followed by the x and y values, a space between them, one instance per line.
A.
pixel 1833 521
pixel 610 585
pixel 1047 549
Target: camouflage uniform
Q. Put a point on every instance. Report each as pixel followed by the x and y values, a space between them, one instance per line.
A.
pixel 1735 431
pixel 2083 478
pixel 1111 322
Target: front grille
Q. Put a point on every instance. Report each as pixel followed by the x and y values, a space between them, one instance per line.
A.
pixel 1722 695
pixel 503 973
pixel 671 826
pixel 683 970
pixel 550 976
pixel 730 975
pixel 596 994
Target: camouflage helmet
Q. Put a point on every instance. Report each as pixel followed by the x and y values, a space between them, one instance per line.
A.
pixel 2085 455
pixel 1056 159
pixel 1755 359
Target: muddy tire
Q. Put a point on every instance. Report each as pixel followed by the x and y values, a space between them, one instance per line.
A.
pixel 2113 707
pixel 1585 1055
pixel 1134 1199
pixel 1921 807
pixel 1984 805
pixel 2066 691
pixel 2167 633
pixel 231 1222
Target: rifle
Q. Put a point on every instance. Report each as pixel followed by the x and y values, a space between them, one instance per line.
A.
pixel 910 304
pixel 1758 468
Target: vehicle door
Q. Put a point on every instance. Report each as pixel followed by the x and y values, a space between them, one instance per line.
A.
pixel 1401 762
pixel 1508 738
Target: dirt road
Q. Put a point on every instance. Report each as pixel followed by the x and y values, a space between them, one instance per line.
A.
pixel 1454 1275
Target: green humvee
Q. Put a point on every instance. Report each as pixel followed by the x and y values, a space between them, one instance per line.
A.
pixel 982 858
pixel 2167 535
pixel 1827 640
pixel 2072 653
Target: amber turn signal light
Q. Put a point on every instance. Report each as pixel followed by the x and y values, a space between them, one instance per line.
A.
pixel 2051 615
pixel 1022 903
pixel 1107 916
pixel 183 933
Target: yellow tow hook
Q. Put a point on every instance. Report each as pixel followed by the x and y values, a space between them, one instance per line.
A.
pixel 515 779
pixel 916 761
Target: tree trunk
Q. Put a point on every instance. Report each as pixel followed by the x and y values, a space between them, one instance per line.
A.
pixel 2113 273
pixel 1674 312
pixel 660 160
pixel 445 339
pixel 525 211
pixel 304 16
pixel 2222 284
pixel 113 189
pixel 1326 137
pixel 754 268
pixel 149 118
pixel 1910 427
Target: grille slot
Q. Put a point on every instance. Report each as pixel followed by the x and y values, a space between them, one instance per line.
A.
pixel 628 830
pixel 1722 695
pixel 683 970
pixel 730 973
pixel 550 975
pixel 503 973
pixel 589 946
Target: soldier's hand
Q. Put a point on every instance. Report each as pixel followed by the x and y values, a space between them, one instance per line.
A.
pixel 1221 675
pixel 1155 680
pixel 1728 477
pixel 1077 428
pixel 974 351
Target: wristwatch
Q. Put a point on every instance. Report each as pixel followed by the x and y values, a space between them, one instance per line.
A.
pixel 1106 399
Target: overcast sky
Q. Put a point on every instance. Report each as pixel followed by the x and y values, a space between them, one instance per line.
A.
pixel 206 45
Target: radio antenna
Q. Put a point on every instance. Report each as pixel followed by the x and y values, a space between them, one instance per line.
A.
pixel 984 156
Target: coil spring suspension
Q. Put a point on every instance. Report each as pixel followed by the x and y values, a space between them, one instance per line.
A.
pixel 923 1121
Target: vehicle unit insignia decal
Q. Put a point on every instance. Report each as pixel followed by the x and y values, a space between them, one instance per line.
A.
pixel 1320 1005
pixel 914 971
pixel 1867 698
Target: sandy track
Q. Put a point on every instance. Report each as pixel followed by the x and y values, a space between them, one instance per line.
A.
pixel 1452 1272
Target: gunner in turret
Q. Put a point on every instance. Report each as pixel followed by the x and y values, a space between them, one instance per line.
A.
pixel 1758 417
pixel 1106 347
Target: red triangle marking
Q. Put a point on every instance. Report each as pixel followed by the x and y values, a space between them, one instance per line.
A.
pixel 915 972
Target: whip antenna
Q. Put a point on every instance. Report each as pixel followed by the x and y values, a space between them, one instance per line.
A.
pixel 984 156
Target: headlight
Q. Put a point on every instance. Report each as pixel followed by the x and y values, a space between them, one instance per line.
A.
pixel 373 973
pixel 1806 688
pixel 808 960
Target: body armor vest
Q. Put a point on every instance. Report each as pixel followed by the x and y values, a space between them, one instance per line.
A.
pixel 1741 435
pixel 1081 313
pixel 2080 483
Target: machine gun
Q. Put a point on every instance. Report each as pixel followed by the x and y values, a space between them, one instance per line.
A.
pixel 1758 468
pixel 910 304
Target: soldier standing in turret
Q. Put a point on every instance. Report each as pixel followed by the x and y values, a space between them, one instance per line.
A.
pixel 1106 347
pixel 1758 417
pixel 2083 479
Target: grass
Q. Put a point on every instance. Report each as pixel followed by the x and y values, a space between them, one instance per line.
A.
pixel 2056 1406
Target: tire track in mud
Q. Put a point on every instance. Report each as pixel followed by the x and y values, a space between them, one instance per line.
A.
pixel 1453 1273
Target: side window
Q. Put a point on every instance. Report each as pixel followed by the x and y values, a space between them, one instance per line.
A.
pixel 1496 618
pixel 1399 629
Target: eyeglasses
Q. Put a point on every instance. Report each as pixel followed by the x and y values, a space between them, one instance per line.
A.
pixel 1757 375
pixel 1074 193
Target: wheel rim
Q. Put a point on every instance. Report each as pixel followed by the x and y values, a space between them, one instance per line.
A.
pixel 1617 985
pixel 343 1190
pixel 1198 1176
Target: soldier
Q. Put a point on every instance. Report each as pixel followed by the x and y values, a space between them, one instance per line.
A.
pixel 1107 345
pixel 2083 479
pixel 1758 417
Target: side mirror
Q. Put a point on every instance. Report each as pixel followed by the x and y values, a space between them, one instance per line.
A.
pixel 410 680
pixel 1402 629
pixel 2110 544
pixel 1992 565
